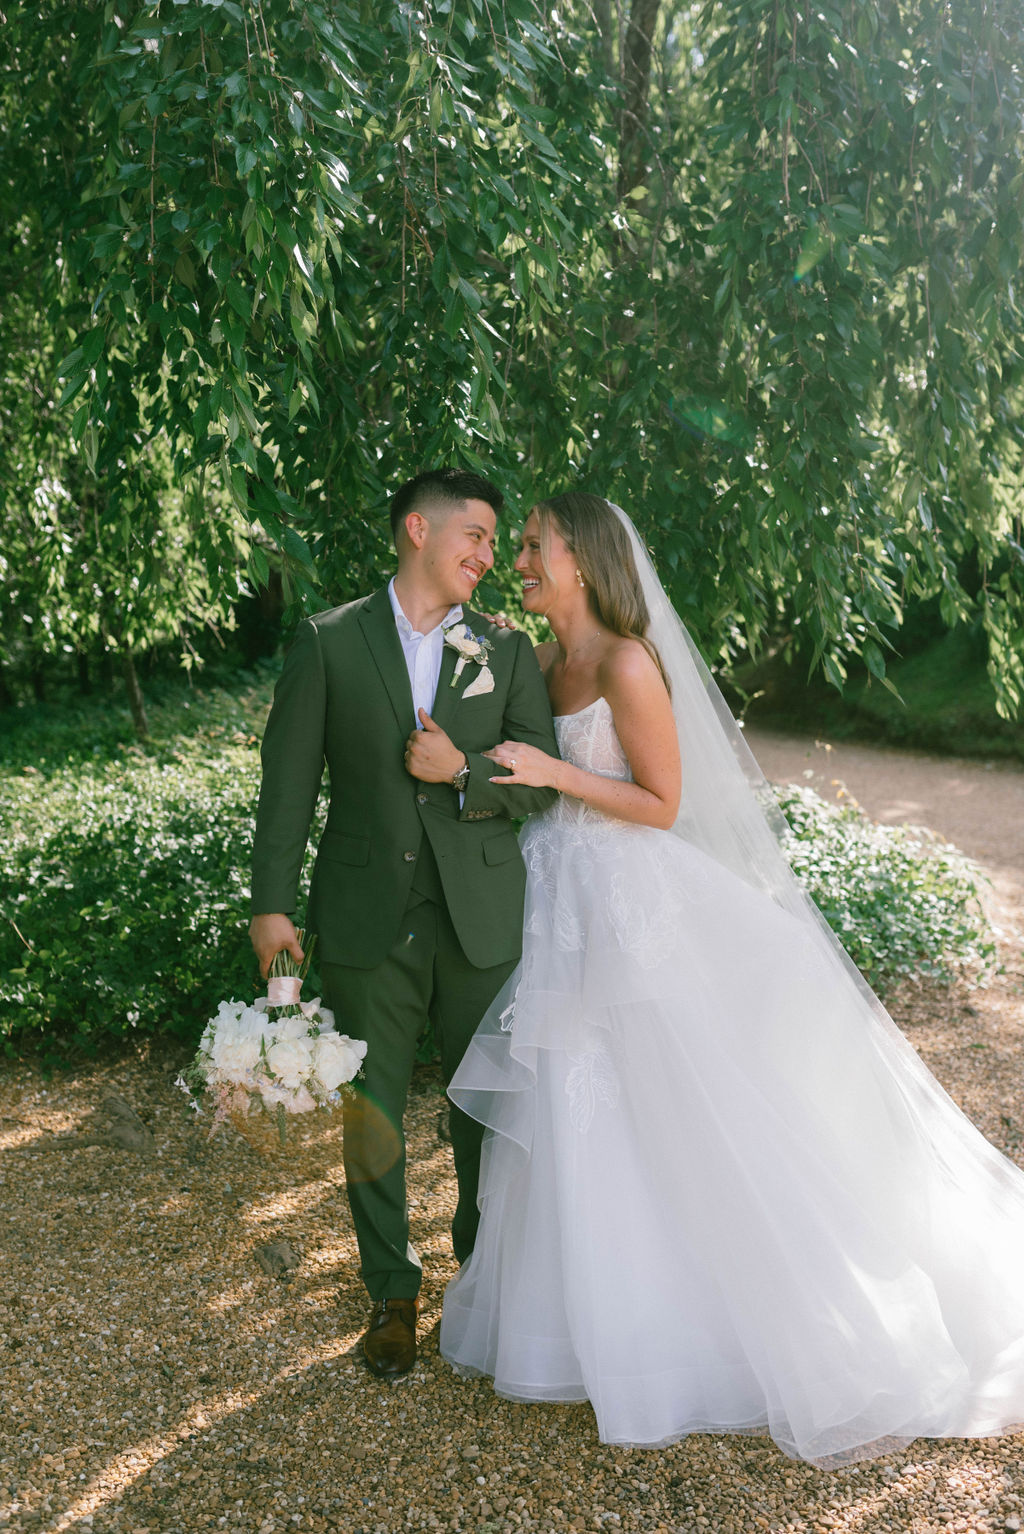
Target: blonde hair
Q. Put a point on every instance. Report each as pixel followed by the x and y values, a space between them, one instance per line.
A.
pixel 600 544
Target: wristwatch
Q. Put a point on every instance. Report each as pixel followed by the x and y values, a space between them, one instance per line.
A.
pixel 461 778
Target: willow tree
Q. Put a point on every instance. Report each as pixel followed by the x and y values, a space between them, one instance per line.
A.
pixel 279 236
pixel 796 345
pixel 751 269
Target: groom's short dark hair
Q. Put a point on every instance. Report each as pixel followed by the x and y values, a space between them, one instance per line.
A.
pixel 444 485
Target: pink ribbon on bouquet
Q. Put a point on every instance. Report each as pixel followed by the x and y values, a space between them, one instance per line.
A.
pixel 283 990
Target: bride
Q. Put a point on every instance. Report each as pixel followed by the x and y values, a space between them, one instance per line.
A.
pixel 720 1192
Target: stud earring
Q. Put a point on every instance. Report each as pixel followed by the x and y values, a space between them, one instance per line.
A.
pixel 581 583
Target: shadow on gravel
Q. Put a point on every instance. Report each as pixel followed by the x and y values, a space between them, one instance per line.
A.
pixel 157 1379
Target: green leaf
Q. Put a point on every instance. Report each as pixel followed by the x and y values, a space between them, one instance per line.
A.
pixel 295 546
pixel 71 388
pixel 874 659
pixel 259 566
pixel 72 363
pixel 238 298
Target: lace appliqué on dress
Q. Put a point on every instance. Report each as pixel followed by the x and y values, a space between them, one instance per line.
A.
pixel 640 920
pixel 592 1080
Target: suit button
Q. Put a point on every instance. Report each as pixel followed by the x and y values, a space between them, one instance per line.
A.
pixel 421 799
pixel 410 857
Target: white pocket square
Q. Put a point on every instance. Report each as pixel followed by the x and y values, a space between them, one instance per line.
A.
pixel 481 683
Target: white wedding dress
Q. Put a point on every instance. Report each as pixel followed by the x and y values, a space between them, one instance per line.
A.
pixel 719 1192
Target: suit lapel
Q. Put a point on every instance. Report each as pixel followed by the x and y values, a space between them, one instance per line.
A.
pixel 381 633
pixel 447 696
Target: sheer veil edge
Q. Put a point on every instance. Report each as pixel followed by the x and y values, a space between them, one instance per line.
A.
pixel 728 808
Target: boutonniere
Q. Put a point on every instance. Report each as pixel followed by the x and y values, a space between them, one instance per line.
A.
pixel 470 647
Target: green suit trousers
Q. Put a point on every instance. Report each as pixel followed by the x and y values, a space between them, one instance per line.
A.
pixel 425 974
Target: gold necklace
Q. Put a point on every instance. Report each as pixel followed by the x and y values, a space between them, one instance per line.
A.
pixel 570 654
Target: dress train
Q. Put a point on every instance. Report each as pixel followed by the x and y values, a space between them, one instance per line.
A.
pixel 719 1192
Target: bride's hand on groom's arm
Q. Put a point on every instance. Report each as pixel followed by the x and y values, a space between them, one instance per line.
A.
pixel 525 764
pixel 269 934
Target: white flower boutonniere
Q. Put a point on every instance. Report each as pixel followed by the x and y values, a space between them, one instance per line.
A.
pixel 470 647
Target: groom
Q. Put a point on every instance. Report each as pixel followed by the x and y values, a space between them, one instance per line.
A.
pixel 417 891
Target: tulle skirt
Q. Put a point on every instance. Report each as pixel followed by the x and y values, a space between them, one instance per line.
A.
pixel 720 1192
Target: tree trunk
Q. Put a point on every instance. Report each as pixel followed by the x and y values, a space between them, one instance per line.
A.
pixel 135 698
pixel 82 668
pixel 606 30
pixel 637 47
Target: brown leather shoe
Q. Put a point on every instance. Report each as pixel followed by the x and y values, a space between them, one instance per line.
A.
pixel 389 1344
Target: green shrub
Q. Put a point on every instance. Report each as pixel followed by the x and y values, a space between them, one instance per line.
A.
pixel 124 873
pixel 126 896
pixel 902 902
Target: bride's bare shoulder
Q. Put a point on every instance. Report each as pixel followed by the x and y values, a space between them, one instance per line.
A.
pixel 627 662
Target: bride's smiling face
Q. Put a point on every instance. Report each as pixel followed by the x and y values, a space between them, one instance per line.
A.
pixel 547 572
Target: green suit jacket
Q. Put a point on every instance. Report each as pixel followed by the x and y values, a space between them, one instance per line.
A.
pixel 344 698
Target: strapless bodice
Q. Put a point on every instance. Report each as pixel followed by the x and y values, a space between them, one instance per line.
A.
pixel 588 740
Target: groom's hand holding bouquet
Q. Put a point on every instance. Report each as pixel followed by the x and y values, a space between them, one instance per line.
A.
pixel 279 1054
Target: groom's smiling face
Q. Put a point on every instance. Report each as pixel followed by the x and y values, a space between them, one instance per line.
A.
pixel 458 549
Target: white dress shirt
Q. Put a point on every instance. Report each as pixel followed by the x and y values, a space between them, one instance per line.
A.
pixel 423 653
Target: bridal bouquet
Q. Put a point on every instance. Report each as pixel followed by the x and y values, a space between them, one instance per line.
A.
pixel 279 1053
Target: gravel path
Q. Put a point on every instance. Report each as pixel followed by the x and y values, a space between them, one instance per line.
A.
pixel 157 1380
pixel 977 805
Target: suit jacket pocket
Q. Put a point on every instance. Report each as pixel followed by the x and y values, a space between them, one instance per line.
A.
pixel 339 847
pixel 499 849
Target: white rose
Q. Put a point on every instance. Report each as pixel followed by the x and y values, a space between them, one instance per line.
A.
pixel 290 1028
pixel 236 1054
pixel 234 1043
pixel 289 1060
pixel 226 1021
pixel 322 1016
pixel 252 1018
pixel 229 1012
pixel 337 1058
pixel 461 639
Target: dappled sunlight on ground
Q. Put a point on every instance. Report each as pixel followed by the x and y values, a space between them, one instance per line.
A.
pixel 159 1380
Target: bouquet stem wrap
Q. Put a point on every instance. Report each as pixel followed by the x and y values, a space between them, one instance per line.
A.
pixel 284 990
